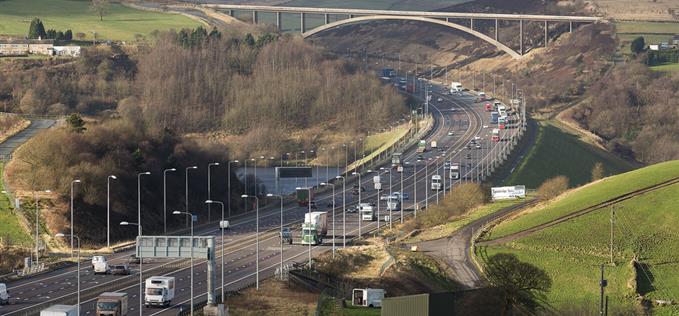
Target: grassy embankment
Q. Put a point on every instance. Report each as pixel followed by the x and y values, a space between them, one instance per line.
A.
pixel 571 252
pixel 11 232
pixel 120 22
pixel 377 143
pixel 557 152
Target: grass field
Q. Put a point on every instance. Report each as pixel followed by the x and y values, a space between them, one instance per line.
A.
pixel 570 252
pixel 121 23
pixel 590 195
pixel 666 68
pixel 653 32
pixel 454 225
pixel 559 153
pixel 10 229
pixel 359 311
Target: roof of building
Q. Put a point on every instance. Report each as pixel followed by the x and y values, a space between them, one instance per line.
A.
pixel 26 41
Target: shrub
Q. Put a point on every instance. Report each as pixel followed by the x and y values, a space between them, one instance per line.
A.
pixel 551 188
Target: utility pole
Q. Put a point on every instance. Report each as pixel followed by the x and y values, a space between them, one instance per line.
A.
pixel 611 241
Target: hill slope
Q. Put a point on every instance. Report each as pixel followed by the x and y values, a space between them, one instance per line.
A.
pixel 645 227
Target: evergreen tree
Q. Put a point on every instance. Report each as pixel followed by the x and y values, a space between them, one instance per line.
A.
pixel 249 40
pixel 76 122
pixel 36 29
pixel 638 45
pixel 68 35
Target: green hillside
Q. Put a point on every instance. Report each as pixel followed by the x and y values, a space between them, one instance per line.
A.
pixel 559 153
pixel 571 252
pixel 120 22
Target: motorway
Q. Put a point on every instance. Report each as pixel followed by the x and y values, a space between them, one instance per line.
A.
pixel 465 122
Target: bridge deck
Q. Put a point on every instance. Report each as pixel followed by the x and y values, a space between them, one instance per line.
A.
pixel 464 15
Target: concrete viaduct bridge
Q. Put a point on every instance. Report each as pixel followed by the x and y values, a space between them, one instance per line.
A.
pixel 448 19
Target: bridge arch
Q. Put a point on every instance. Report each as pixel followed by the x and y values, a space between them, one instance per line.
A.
pixel 465 29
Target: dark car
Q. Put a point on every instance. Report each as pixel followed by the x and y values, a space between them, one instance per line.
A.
pixel 120 269
pixel 286 235
pixel 134 259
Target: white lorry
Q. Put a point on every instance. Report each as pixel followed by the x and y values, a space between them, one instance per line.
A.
pixel 159 291
pixel 456 87
pixel 367 297
pixel 434 144
pixel 60 310
pixel 377 182
pixel 314 228
pixel 367 212
pixel 454 171
pixel 436 182
pixel 112 304
pixel 223 224
pixel 100 265
pixel 393 203
pixel 4 294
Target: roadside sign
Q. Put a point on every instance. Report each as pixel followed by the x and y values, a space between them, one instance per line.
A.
pixel 293 172
pixel 510 192
pixel 194 218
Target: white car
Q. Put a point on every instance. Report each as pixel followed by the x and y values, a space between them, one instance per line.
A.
pixel 100 265
pixel 223 224
pixel 439 99
pixel 450 133
pixel 397 195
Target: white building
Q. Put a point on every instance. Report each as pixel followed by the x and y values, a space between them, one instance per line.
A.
pixel 71 51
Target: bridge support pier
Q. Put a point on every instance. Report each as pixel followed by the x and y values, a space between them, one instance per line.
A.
pixel 278 21
pixel 229 12
pixel 471 24
pixel 302 27
pixel 496 30
pixel 546 33
pixel 520 37
pixel 254 17
pixel 327 18
pixel 570 27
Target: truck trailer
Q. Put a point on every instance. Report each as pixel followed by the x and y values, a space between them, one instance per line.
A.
pixel 367 297
pixel 315 227
pixel 305 196
pixel 112 304
pixel 60 310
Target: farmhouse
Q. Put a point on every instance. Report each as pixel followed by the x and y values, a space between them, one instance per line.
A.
pixel 19 47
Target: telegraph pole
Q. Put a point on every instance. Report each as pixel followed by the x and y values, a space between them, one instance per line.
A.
pixel 602 283
pixel 611 241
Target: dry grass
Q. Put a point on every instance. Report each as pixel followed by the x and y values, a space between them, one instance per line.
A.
pixel 10 124
pixel 640 10
pixel 273 298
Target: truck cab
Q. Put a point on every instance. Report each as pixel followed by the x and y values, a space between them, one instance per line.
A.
pixel 112 304
pixel 100 265
pixel 4 294
pixel 60 310
pixel 395 160
pixel 311 235
pixel 286 235
pixel 496 135
pixel 367 212
pixel 422 146
pixel 159 291
pixel 436 182
pixel 493 117
pixel 454 171
pixel 393 203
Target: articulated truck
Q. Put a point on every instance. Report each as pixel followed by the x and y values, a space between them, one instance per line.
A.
pixel 315 227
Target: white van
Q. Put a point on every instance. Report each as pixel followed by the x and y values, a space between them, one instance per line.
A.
pixel 367 297
pixel 223 224
pixel 4 294
pixel 159 291
pixel 100 265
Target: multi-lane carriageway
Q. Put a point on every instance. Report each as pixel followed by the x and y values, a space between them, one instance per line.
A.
pixel 457 114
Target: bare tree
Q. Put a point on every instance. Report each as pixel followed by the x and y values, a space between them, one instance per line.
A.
pixel 100 7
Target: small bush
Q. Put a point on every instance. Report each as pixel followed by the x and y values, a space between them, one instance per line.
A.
pixel 551 188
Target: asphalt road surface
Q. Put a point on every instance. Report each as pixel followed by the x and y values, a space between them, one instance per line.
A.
pixel 457 114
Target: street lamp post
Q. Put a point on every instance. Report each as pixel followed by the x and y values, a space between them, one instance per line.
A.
pixel 191 263
pixel 108 209
pixel 165 198
pixel 186 193
pixel 208 202
pixel 401 195
pixel 72 183
pixel 359 204
pixel 281 233
pixel 209 188
pixel 245 196
pixel 77 270
pixel 333 216
pixel 344 211
pixel 228 186
pixel 141 262
pixel 139 198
